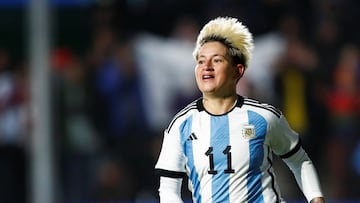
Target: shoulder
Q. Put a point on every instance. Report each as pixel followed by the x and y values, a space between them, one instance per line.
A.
pixel 184 113
pixel 262 107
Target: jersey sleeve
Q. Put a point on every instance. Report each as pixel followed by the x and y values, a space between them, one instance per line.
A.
pixel 305 174
pixel 283 140
pixel 170 190
pixel 286 144
pixel 171 161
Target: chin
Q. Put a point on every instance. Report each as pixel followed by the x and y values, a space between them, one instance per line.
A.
pixel 207 89
pixel 207 92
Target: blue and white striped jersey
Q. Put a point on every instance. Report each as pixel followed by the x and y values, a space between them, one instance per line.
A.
pixel 228 158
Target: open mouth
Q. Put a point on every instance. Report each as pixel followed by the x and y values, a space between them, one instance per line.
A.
pixel 205 77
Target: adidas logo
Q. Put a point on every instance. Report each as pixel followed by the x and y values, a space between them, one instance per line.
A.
pixel 192 137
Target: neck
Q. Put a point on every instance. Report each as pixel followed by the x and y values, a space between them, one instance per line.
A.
pixel 218 106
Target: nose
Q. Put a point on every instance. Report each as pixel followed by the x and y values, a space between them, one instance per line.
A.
pixel 208 66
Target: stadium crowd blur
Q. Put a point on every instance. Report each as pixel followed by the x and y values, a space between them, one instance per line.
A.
pixel 121 69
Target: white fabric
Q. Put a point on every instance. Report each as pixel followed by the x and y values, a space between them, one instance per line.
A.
pixel 170 190
pixel 260 74
pixel 305 174
pixel 167 69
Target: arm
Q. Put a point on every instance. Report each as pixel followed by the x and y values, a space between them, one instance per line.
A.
pixel 286 143
pixel 170 190
pixel 306 175
pixel 170 167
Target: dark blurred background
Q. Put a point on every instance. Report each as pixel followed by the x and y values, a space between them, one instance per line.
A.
pixel 119 71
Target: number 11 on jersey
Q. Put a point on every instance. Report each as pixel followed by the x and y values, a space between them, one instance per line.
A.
pixel 211 160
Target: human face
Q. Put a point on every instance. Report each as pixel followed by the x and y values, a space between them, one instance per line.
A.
pixel 215 74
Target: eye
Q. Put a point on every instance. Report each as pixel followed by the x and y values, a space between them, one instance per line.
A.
pixel 200 62
pixel 218 60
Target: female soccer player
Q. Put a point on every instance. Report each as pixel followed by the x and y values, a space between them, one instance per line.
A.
pixel 224 142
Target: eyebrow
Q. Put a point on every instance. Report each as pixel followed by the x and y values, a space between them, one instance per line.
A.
pixel 203 56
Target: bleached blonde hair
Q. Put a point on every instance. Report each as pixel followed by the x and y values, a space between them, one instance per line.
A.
pixel 232 33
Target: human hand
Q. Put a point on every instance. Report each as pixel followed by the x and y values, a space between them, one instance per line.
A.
pixel 318 200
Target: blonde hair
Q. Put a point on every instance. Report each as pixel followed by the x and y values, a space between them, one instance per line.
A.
pixel 231 33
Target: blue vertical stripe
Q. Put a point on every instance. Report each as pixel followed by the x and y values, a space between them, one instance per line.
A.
pixel 256 157
pixel 219 140
pixel 185 133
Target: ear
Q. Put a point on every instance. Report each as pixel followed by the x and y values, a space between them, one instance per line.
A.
pixel 240 70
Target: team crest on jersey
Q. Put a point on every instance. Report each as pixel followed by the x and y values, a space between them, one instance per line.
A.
pixel 248 132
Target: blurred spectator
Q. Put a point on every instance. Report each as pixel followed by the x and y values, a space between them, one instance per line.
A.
pixel 13 130
pixel 118 87
pixel 118 91
pixel 343 102
pixel 117 105
pixel 298 63
pixel 78 138
pixel 11 103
